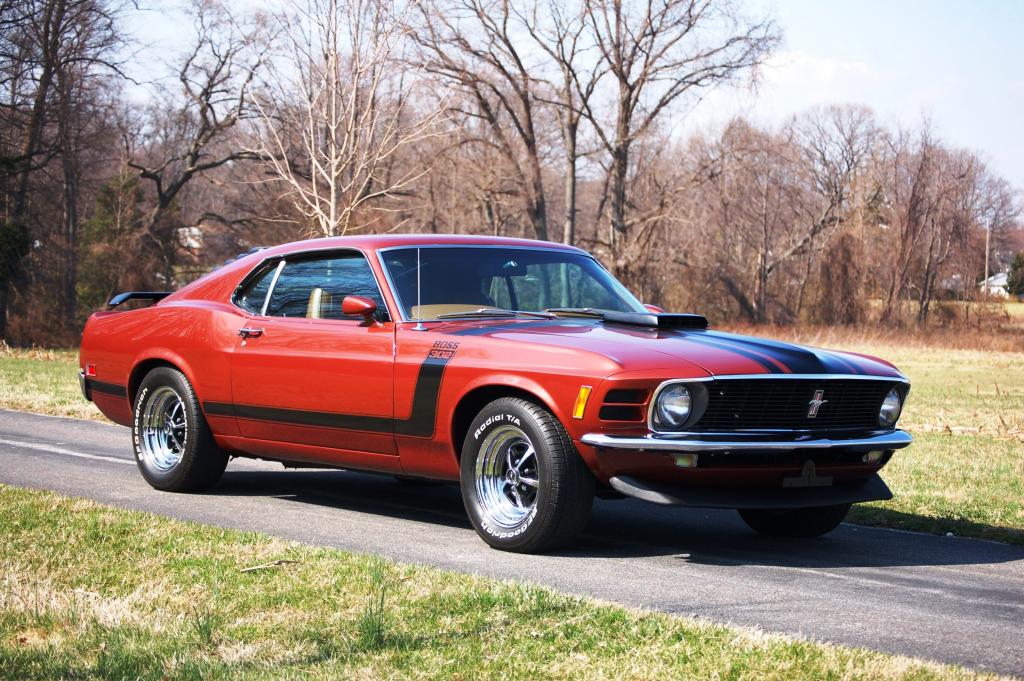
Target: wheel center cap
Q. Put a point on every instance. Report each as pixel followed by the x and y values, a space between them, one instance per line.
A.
pixel 512 476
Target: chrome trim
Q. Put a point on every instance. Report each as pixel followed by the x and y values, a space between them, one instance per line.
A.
pixel 896 439
pixel 285 257
pixel 554 248
pixel 273 284
pixel 83 386
pixel 733 377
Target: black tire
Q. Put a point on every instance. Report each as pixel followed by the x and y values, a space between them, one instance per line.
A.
pixel 563 492
pixel 795 522
pixel 193 462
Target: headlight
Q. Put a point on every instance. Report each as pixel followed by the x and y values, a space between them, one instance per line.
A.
pixel 673 406
pixel 890 410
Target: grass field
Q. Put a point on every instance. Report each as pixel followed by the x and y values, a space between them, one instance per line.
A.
pixel 964 474
pixel 87 591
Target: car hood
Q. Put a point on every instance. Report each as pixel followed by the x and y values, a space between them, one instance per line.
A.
pixel 638 348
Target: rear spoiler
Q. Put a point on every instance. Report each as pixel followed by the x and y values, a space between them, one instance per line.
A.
pixel 138 295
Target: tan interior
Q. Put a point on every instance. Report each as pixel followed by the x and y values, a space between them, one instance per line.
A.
pixel 319 304
pixel 432 311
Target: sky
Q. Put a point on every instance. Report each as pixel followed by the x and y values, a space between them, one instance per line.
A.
pixel 960 64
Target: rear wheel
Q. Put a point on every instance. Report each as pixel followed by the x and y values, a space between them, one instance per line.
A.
pixel 524 486
pixel 174 448
pixel 795 522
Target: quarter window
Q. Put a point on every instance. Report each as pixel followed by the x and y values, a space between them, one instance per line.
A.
pixel 251 297
pixel 314 287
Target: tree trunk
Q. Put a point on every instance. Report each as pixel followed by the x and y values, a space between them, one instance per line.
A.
pixel 569 228
pixel 53 19
pixel 69 276
pixel 617 188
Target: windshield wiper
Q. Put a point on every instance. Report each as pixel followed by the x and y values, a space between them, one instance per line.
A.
pixel 579 311
pixel 486 312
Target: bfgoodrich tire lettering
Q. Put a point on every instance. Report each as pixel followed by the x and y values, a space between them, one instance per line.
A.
pixel 795 522
pixel 173 446
pixel 524 486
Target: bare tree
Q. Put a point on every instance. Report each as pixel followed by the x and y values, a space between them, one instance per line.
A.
pixel 336 113
pixel 562 35
pixel 472 45
pixel 49 49
pixel 658 51
pixel 182 141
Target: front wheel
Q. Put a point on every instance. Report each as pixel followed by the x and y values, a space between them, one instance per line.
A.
pixel 795 522
pixel 524 486
pixel 174 448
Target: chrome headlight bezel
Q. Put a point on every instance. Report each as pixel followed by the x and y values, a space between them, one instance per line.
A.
pixel 891 408
pixel 697 395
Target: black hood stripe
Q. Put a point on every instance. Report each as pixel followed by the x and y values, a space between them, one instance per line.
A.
pixel 795 358
pixel 699 338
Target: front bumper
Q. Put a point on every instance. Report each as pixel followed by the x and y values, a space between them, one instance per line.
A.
pixel 872 488
pixel 697 442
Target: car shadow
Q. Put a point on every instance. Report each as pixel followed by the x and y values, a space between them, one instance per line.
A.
pixel 627 528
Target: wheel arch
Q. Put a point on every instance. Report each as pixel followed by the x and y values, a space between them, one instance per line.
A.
pixel 144 365
pixel 486 391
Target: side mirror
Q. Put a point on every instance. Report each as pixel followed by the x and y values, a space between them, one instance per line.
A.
pixel 360 306
pixel 654 308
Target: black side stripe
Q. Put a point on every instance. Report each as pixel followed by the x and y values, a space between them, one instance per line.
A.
pixel 106 388
pixel 420 423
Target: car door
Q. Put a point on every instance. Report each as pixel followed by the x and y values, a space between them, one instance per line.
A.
pixel 308 377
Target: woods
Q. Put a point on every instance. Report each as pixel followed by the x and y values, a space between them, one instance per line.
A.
pixel 532 118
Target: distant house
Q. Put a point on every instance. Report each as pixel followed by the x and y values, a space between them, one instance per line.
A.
pixel 996 285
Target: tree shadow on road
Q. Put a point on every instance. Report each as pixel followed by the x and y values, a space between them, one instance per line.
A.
pixel 627 528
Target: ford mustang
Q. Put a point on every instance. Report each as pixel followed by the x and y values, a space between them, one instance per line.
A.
pixel 520 369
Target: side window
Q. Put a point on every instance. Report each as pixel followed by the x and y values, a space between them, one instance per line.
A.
pixel 252 296
pixel 314 288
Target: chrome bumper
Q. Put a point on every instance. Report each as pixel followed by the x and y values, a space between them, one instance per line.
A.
pixel 84 385
pixel 694 442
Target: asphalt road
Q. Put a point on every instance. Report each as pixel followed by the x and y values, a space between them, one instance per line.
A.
pixel 948 599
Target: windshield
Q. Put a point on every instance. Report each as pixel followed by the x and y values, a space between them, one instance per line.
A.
pixel 466 279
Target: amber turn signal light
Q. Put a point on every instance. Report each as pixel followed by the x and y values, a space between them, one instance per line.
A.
pixel 581 401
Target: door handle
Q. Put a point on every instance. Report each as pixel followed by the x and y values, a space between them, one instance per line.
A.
pixel 247 332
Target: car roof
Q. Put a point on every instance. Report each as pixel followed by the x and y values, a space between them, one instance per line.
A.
pixel 375 241
pixel 215 284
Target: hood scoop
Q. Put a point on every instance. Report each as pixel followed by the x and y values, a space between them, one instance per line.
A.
pixel 657 320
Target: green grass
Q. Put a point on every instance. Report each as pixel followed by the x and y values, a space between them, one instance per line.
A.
pixel 964 474
pixel 965 471
pixel 88 591
pixel 44 382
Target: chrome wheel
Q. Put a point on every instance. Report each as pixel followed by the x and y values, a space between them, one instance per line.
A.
pixel 163 431
pixel 507 477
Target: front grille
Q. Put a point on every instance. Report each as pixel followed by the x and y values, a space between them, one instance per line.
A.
pixel 783 404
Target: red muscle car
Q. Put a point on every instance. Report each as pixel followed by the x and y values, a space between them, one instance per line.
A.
pixel 521 369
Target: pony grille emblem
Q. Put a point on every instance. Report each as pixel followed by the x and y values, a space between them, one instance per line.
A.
pixel 815 404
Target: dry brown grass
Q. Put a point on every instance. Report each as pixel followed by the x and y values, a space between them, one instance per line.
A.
pixel 1008 339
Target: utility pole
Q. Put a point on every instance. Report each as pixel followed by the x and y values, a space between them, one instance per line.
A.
pixel 984 283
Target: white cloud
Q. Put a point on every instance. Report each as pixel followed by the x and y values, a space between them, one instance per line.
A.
pixel 798 67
